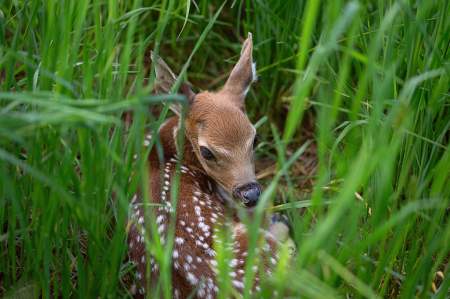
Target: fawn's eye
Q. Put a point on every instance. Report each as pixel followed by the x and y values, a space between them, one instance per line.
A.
pixel 256 140
pixel 206 153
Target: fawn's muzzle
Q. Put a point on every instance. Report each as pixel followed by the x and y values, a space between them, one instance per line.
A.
pixel 249 194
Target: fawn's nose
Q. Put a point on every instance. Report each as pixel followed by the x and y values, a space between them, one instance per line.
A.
pixel 249 193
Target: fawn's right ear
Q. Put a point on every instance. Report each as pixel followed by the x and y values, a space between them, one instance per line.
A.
pixel 244 72
pixel 164 81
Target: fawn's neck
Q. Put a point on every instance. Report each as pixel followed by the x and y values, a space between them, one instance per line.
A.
pixel 169 136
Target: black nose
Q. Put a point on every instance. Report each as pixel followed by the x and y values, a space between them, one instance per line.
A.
pixel 252 194
pixel 249 193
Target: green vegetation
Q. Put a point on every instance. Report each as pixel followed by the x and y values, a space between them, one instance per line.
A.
pixel 369 79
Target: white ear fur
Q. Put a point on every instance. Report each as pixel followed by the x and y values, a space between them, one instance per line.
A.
pixel 255 76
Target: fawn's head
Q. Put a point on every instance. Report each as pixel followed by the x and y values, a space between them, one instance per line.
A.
pixel 218 127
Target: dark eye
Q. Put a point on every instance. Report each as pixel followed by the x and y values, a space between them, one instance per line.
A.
pixel 206 153
pixel 256 140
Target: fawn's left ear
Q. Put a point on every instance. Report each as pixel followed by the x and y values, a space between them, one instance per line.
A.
pixel 244 73
pixel 164 81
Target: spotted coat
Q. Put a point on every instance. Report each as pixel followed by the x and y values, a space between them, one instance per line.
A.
pixel 199 214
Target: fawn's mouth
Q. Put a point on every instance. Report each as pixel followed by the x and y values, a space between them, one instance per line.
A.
pixel 248 193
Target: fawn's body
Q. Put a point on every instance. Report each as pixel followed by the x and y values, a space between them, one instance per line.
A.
pixel 217 166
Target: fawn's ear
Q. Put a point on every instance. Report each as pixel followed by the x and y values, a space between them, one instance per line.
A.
pixel 244 73
pixel 164 81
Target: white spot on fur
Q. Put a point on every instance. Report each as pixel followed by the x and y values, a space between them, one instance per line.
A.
pixel 133 289
pixel 211 252
pixel 179 241
pixel 238 284
pixel 233 263
pixel 197 210
pixel 214 263
pixel 155 267
pixel 191 278
pixel 175 135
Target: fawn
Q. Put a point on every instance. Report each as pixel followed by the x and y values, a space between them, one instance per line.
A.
pixel 217 168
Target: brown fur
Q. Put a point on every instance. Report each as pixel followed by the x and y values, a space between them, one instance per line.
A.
pixel 214 118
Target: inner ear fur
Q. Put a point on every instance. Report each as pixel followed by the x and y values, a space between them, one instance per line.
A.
pixel 164 81
pixel 244 72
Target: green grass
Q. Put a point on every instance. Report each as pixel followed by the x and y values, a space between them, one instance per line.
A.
pixel 371 76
